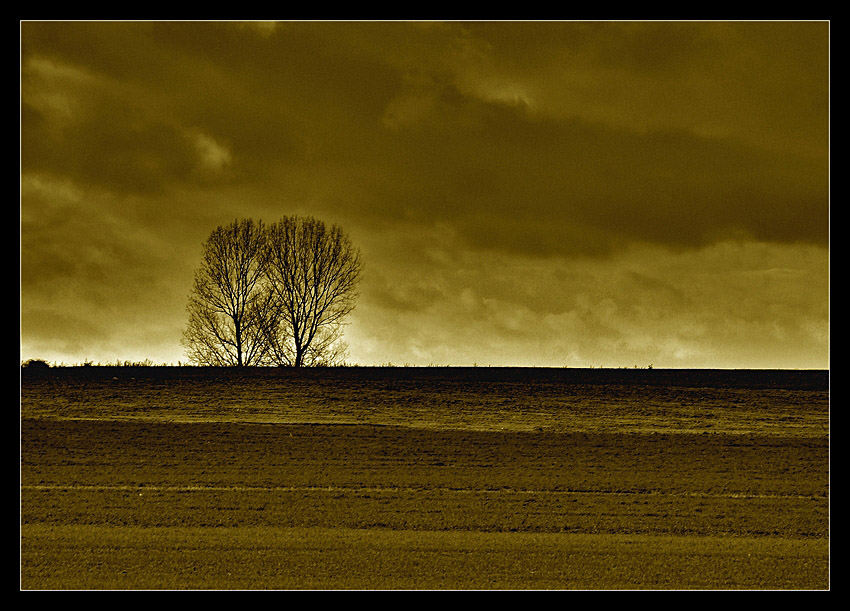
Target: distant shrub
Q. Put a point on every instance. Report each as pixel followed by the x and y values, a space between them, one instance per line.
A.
pixel 36 364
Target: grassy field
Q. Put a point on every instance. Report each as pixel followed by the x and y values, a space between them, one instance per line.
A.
pixel 424 479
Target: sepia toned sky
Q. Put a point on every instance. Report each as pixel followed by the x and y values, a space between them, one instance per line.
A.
pixel 582 194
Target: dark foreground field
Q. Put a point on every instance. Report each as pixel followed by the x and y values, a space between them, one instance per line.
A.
pixel 424 478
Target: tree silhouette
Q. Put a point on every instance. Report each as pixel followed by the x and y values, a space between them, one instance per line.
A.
pixel 312 273
pixel 274 295
pixel 229 304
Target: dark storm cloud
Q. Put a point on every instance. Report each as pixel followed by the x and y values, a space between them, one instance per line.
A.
pixel 402 124
pixel 525 184
pixel 766 83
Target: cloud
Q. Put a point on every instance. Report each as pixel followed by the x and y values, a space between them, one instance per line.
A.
pixel 765 84
pixel 76 123
pixel 492 171
pixel 213 157
pixel 508 180
pixel 723 305
pixel 437 122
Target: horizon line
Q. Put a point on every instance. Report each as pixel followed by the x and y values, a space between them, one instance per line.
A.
pixel 28 364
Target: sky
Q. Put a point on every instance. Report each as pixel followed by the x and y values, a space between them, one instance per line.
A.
pixel 548 194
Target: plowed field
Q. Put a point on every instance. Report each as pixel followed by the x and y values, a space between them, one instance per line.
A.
pixel 180 478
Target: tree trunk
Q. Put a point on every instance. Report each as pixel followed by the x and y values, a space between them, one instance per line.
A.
pixel 238 329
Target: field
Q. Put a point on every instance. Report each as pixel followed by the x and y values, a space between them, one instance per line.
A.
pixel 424 478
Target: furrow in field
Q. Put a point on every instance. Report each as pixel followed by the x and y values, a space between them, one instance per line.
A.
pixel 411 489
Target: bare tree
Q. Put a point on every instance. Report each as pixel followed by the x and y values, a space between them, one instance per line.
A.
pixel 312 272
pixel 229 304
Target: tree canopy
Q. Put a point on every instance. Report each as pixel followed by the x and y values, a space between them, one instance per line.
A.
pixel 272 295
